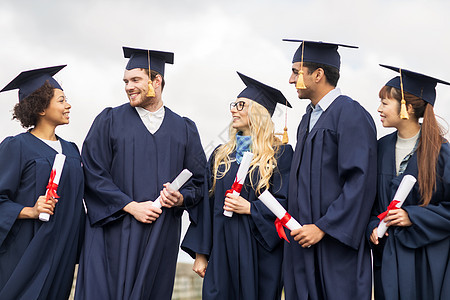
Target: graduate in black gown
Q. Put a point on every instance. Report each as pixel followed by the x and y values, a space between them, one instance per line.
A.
pixel 37 259
pixel 412 260
pixel 332 184
pixel 240 257
pixel 130 155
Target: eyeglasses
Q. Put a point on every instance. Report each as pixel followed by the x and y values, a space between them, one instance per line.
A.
pixel 239 105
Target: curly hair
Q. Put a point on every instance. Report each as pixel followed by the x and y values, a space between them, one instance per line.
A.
pixel 27 111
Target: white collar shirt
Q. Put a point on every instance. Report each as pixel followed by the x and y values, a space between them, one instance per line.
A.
pixel 151 120
pixel 322 106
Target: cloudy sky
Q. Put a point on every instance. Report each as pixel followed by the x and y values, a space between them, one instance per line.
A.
pixel 211 41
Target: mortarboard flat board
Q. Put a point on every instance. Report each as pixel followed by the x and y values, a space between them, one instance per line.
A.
pixel 139 58
pixel 29 81
pixel 318 52
pixel 419 85
pixel 263 94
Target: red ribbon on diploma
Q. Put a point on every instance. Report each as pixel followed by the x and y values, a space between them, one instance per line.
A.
pixel 391 206
pixel 51 186
pixel 279 226
pixel 235 187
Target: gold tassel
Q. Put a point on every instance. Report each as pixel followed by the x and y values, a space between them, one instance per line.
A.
pixel 300 85
pixel 403 112
pixel 300 81
pixel 151 90
pixel 285 136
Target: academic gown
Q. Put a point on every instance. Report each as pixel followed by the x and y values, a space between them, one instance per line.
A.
pixel 244 251
pixel 412 262
pixel 332 185
pixel 124 258
pixel 37 259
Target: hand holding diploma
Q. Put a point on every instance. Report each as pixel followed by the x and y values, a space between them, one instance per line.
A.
pixel 237 204
pixel 53 182
pixel 398 217
pixel 42 205
pixel 308 235
pixel 170 192
pixel 240 179
pixel 148 211
pixel 170 198
pixel 403 190
pixel 283 217
pixel 144 212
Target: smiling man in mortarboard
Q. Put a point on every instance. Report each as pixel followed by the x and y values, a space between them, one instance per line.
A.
pixel 130 154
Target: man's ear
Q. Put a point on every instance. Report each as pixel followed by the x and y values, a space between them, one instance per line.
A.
pixel 319 73
pixel 157 80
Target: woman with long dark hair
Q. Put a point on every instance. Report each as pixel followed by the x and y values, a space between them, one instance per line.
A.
pixel 412 260
pixel 37 258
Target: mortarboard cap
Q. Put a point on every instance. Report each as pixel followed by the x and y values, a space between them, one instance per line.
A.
pixel 263 94
pixel 318 52
pixel 140 58
pixel 419 85
pixel 29 81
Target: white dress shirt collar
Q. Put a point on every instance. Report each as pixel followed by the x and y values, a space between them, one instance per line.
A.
pixel 326 101
pixel 151 120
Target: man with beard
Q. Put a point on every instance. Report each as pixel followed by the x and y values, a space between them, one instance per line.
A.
pixel 332 184
pixel 130 155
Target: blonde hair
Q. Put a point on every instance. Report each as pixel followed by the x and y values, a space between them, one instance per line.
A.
pixel 265 145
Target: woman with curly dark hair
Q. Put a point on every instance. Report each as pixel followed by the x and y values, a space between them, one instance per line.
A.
pixel 38 258
pixel 411 261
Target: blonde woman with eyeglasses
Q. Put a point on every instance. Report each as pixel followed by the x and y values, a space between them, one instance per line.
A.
pixel 240 257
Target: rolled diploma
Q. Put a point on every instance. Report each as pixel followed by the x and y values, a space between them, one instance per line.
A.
pixel 269 200
pixel 58 165
pixel 403 190
pixel 176 184
pixel 240 175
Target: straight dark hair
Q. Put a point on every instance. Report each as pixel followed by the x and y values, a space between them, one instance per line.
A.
pixel 430 141
pixel 331 73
